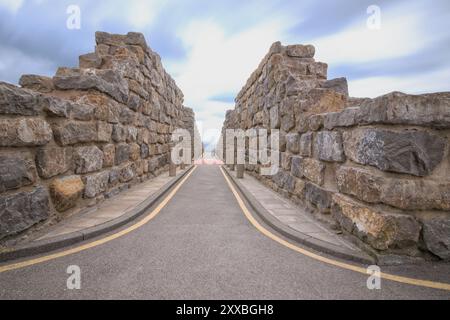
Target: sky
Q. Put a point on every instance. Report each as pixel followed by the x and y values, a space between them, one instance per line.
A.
pixel 211 47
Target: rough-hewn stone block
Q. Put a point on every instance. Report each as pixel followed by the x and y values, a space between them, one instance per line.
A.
pixel 19 101
pixel 71 133
pixel 53 161
pixel 293 142
pixel 24 132
pixel 66 191
pixel 16 170
pixel 382 230
pixel 306 142
pixel 413 152
pixel 20 211
pixel 329 146
pixel 87 159
pixel 96 184
pixel 436 235
pixel 319 197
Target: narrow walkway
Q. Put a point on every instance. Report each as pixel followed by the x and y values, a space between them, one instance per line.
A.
pixel 110 209
pixel 200 246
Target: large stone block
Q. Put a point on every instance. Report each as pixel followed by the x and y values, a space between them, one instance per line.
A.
pixel 53 161
pixel 339 85
pixel 36 83
pixel 123 152
pixel 324 100
pixel 104 131
pixel 381 230
pixel 293 142
pixel 413 152
pixel 16 170
pixel 109 155
pixel 306 142
pixel 311 169
pixel 301 51
pixel 87 159
pixel 96 184
pixel 319 197
pixel 106 81
pixel 24 132
pixel 436 235
pixel 329 146
pixel 66 191
pixel 406 194
pixel 21 211
pixel 399 108
pixel 71 133
pixel 19 101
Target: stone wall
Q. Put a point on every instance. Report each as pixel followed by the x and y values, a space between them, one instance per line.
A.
pixel 88 133
pixel 376 169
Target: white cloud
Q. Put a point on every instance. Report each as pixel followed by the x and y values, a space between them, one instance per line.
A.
pixel 375 86
pixel 11 5
pixel 220 63
pixel 401 34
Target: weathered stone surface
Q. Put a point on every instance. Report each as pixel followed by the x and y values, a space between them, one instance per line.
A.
pixel 20 211
pixel 119 133
pixel 301 51
pixel 399 108
pixel 306 141
pixel 324 100
pixel 56 107
pixel 106 81
pixel 407 194
pixel 19 101
pixel 127 172
pixel 135 151
pixel 66 191
pixel 96 184
pixel 71 133
pixel 131 38
pixel 104 131
pixel 360 183
pixel 16 170
pixel 87 159
pixel 436 235
pixel 382 230
pixel 24 132
pixel 37 83
pixel 123 152
pixel 275 122
pixel 412 152
pixel 339 85
pixel 345 118
pixel 329 146
pixel 53 161
pixel 416 194
pixel 319 197
pixel 308 168
pixel 82 111
pixel 145 151
pixel 293 142
pixel 109 155
pixel 90 60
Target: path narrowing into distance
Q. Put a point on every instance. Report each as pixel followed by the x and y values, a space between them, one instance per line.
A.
pixel 199 244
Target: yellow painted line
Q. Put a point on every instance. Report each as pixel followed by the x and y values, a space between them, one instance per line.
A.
pixel 387 276
pixel 99 242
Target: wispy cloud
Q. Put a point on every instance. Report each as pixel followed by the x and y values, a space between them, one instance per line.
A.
pixel 212 47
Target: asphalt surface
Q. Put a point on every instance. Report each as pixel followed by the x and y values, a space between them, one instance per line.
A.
pixel 201 246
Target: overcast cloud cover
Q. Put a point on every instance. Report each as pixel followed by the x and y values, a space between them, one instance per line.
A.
pixel 211 47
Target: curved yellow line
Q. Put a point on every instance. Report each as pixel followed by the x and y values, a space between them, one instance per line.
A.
pixel 96 243
pixel 387 276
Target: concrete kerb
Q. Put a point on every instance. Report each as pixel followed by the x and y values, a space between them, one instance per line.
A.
pixel 316 244
pixel 66 240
